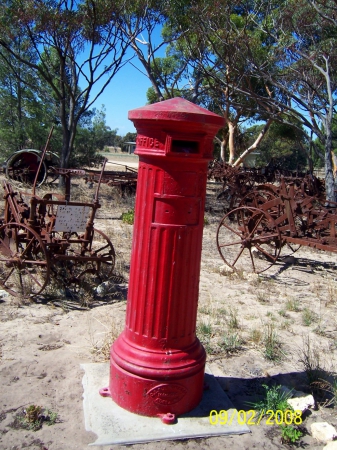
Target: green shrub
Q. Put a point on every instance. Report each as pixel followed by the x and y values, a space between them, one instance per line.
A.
pixel 129 217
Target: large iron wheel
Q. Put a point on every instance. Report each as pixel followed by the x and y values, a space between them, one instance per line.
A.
pixel 22 166
pixel 248 239
pixel 86 273
pixel 24 263
pixel 257 197
pixel 229 199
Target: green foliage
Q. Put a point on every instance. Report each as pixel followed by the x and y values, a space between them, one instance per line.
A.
pixel 91 137
pixel 65 43
pixel 51 417
pixel 231 342
pixel 274 399
pixel 293 305
pixel 290 434
pixel 282 147
pixel 129 217
pixel 205 333
pixel 35 416
pixel 310 359
pixel 271 344
pixel 205 329
pixel 308 317
pixel 25 119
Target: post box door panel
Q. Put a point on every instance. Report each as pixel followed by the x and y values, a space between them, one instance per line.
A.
pixel 177 211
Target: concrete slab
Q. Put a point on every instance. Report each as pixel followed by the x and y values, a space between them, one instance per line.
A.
pixel 114 425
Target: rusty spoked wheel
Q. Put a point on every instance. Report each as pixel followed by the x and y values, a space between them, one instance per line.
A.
pixel 88 263
pixel 260 198
pixel 24 262
pixel 248 239
pixel 257 198
pixel 22 167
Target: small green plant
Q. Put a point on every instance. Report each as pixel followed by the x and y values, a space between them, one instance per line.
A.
pixel 293 305
pixel 256 335
pixel 205 329
pixel 50 417
pixel 262 297
pixel 308 317
pixel 286 324
pixel 310 360
pixel 271 315
pixel 204 310
pixel 290 434
pixel 204 332
pixel 232 320
pixel 33 417
pixel 282 313
pixel 256 281
pixel 206 221
pixel 129 217
pixel 274 399
pixel 231 342
pixel 272 346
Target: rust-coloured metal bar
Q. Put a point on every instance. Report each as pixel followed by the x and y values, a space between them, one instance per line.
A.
pixel 30 221
pixel 42 158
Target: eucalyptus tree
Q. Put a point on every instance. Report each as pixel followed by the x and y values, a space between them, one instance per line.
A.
pixel 76 45
pixel 212 44
pixel 305 48
pixel 145 26
pixel 275 58
pixel 23 115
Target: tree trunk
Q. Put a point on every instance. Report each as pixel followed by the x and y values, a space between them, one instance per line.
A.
pixel 223 145
pixel 231 143
pixel 254 145
pixel 329 176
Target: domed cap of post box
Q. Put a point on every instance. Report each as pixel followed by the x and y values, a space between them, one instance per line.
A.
pixel 176 109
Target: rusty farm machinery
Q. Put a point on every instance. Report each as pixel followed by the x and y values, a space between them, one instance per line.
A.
pixel 125 181
pixel 51 236
pixel 271 217
pixel 22 166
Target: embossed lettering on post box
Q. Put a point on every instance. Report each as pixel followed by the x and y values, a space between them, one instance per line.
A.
pixel 150 142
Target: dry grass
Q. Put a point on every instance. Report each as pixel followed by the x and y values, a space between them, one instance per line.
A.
pixel 101 341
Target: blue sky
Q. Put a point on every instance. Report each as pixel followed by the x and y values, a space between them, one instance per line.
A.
pixel 126 91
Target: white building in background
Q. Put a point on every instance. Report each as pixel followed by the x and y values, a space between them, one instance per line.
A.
pixel 129 147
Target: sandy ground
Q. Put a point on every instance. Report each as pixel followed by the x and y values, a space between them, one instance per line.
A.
pixel 43 343
pixel 118 161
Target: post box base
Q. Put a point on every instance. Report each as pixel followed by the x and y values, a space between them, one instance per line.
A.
pixel 150 397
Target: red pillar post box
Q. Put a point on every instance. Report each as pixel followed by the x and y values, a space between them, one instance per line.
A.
pixel 157 363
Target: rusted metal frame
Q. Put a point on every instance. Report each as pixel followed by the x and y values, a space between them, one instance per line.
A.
pixel 36 229
pixel 80 258
pixel 114 179
pixel 311 242
pixel 14 208
pixel 90 224
pixel 289 212
pixel 63 202
pixel 42 159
